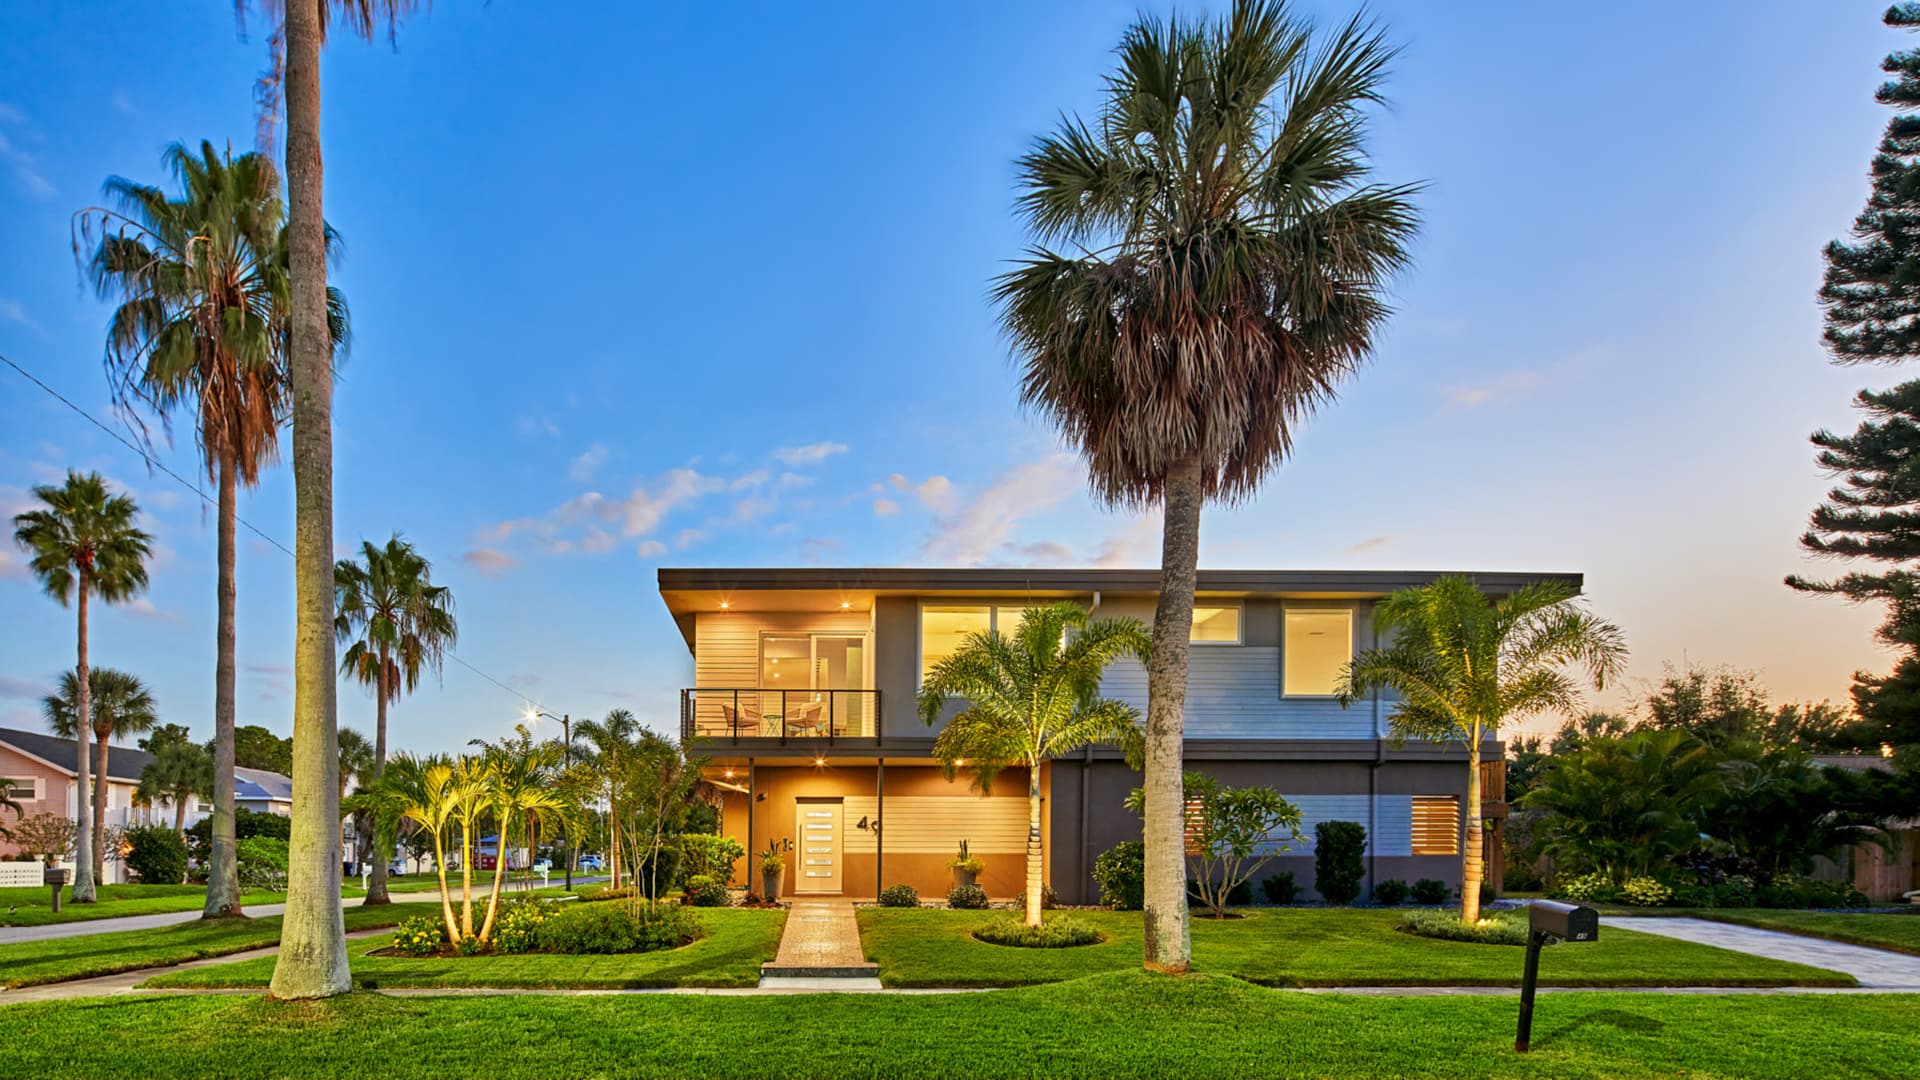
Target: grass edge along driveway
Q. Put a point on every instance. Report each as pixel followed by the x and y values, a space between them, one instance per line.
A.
pixel 1306 947
pixel 1122 1024
pixel 85 956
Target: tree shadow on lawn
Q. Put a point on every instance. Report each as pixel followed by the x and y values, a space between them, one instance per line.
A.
pixel 1618 1019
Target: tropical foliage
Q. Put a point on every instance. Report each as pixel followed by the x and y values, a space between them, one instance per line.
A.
pixel 1030 696
pixel 81 541
pixel 179 774
pixel 1464 664
pixel 1232 834
pixel 1210 265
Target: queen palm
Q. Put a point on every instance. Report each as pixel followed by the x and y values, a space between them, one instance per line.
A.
pixel 396 623
pixel 1031 696
pixel 427 792
pixel 521 778
pixel 202 325
pixel 313 954
pixel 612 746
pixel 121 707
pixel 179 773
pixel 83 542
pixel 1225 258
pixel 1464 664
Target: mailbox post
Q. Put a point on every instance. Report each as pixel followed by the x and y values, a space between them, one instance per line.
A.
pixel 56 876
pixel 1549 920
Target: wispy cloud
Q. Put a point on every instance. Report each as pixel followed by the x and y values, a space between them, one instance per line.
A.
pixel 983 526
pixel 587 463
pixel 537 424
pixel 810 454
pixel 1371 543
pixel 1135 544
pixel 1510 385
pixel 12 566
pixel 145 608
pixel 11 311
pixel 885 508
pixel 935 492
pixel 23 165
pixel 651 549
pixel 490 561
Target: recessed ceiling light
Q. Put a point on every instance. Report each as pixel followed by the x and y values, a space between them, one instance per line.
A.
pixel 819 761
pixel 844 604
pixel 724 605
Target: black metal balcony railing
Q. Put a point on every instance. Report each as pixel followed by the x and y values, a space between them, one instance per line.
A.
pixel 735 713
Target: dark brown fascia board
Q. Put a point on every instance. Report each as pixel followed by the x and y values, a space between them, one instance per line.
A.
pixel 999 579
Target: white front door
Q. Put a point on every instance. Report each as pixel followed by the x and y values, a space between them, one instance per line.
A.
pixel 817 833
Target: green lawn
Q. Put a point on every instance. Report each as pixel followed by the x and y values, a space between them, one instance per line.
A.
pixel 1306 947
pixel 1123 1024
pixel 34 907
pixel 737 942
pixel 30 963
pixel 1900 933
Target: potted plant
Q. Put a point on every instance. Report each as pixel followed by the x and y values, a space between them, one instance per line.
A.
pixel 772 866
pixel 965 867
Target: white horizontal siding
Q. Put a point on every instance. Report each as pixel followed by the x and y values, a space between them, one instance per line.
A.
pixel 1233 692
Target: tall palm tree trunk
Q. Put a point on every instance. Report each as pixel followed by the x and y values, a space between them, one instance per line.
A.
pixel 466 881
pixel 377 884
pixel 223 867
pixel 83 773
pixel 100 808
pixel 1472 865
pixel 446 897
pixel 499 872
pixel 1168 947
pixel 1035 859
pixel 313 944
pixel 180 815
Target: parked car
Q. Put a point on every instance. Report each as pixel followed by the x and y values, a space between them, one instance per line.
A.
pixel 592 862
pixel 543 866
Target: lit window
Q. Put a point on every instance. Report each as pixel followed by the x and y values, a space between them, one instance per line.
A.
pixel 945 628
pixel 1216 625
pixel 1436 825
pixel 1319 646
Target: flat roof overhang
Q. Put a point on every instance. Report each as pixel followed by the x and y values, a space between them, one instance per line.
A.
pixel 688 591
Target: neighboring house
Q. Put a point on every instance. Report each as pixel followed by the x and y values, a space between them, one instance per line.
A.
pixel 42 768
pixel 803 704
pixel 1884 874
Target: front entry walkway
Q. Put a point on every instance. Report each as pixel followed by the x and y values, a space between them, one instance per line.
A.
pixel 1877 969
pixel 820 950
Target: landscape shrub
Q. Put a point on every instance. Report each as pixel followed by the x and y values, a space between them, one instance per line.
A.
pixel 519 925
pixel 899 896
pixel 1733 892
pixel 1391 892
pixel 158 855
pixel 246 825
pixel 1430 891
pixel 706 891
pixel 262 862
pixel 1495 928
pixel 1338 863
pixel 1121 873
pixel 1645 892
pixel 708 855
pixel 1792 891
pixel 599 929
pixel 1586 889
pixel 1048 898
pixel 624 892
pixel 420 935
pixel 970 897
pixel 1280 888
pixel 1060 932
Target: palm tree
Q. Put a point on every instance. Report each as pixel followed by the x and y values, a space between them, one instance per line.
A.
pixel 179 773
pixel 122 706
pixel 313 954
pixel 520 788
pixel 1032 696
pixel 1464 664
pixel 1228 259
pixel 202 325
pixel 1624 804
pixel 356 760
pixel 395 622
pixel 427 792
pixel 612 745
pixel 84 542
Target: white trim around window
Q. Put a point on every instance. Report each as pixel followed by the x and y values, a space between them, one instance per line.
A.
pixel 1239 610
pixel 28 788
pixel 1343 612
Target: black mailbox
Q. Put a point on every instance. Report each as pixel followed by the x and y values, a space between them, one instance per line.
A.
pixel 1568 922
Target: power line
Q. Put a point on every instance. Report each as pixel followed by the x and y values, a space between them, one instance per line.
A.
pixel 154 463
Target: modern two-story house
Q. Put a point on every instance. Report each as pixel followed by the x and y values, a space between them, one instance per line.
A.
pixel 803 703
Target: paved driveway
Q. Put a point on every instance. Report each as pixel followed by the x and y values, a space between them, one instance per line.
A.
pixel 1875 968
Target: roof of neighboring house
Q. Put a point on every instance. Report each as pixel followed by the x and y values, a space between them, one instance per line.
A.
pixel 124 763
pixel 262 784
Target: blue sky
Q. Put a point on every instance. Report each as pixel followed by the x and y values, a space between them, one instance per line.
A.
pixel 673 287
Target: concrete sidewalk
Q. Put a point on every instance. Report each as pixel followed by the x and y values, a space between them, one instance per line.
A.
pixel 1876 969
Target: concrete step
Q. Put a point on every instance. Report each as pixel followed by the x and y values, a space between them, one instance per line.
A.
pixel 819 971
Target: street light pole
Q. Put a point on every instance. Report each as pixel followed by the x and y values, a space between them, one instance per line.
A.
pixel 566 750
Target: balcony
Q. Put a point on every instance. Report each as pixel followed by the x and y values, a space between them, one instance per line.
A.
pixel 778 716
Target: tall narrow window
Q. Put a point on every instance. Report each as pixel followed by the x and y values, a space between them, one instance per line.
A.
pixel 944 629
pixel 1318 646
pixel 1436 825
